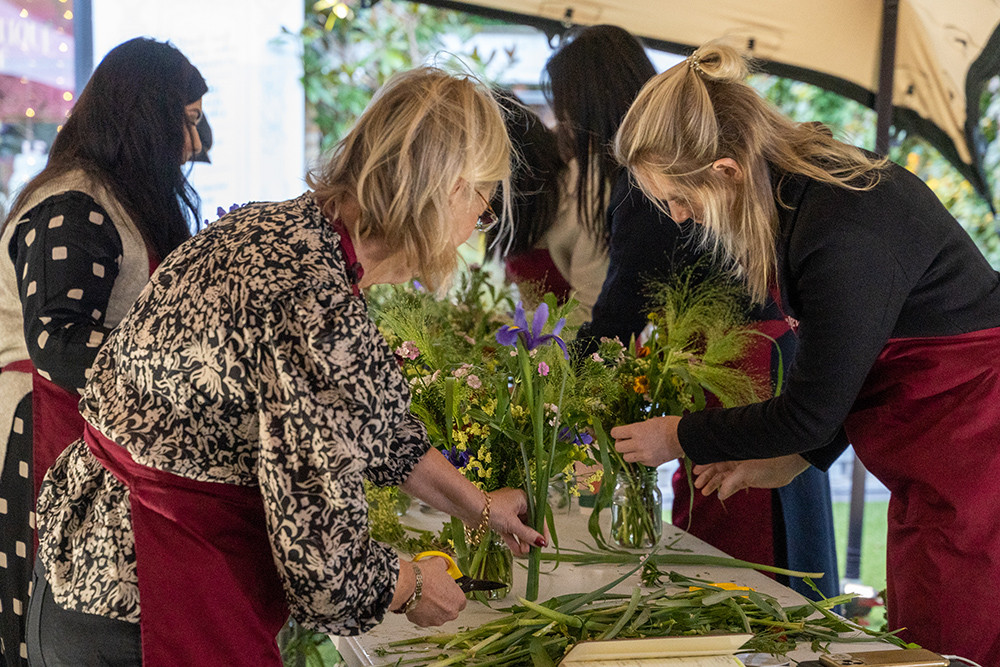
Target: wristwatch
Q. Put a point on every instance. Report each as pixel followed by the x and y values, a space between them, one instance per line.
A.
pixel 414 598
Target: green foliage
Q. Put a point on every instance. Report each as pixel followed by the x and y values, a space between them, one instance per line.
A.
pixel 684 607
pixel 349 51
pixel 302 647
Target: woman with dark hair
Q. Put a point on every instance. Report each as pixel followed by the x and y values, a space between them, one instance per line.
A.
pixel 77 248
pixel 545 249
pixel 591 81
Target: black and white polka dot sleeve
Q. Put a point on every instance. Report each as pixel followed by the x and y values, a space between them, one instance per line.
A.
pixel 66 253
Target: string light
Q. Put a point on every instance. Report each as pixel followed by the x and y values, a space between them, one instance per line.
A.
pixel 23 14
pixel 29 112
pixel 68 96
pixel 341 10
pixel 68 15
pixel 63 47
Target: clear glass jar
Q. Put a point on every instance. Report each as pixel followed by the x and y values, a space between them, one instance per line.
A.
pixel 492 560
pixel 636 508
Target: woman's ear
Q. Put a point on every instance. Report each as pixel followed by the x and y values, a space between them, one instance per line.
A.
pixel 729 168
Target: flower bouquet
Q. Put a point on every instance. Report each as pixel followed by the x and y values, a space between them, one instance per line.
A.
pixel 445 348
pixel 529 393
pixel 688 354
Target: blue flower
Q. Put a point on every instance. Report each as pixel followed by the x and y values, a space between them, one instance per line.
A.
pixel 576 437
pixel 531 334
pixel 457 458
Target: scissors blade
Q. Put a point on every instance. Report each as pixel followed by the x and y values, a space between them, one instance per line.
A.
pixel 468 584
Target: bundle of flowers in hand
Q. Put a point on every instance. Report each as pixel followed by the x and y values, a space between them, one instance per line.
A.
pixel 529 391
pixel 480 408
pixel 688 355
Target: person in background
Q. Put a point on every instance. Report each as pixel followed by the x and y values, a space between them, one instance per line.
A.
pixel 545 249
pixel 898 318
pixel 591 81
pixel 79 244
pixel 234 414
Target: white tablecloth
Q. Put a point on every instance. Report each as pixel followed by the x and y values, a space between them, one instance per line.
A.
pixel 566 578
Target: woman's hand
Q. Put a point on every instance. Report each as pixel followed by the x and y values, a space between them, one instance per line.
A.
pixel 441 598
pixel 508 512
pixel 649 442
pixel 439 484
pixel 728 477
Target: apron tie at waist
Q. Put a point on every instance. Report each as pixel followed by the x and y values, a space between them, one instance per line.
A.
pixel 209 592
pixel 19 366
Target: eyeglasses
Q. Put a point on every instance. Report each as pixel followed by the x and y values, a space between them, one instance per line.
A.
pixel 488 218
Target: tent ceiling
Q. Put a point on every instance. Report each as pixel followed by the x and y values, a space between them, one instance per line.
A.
pixel 945 51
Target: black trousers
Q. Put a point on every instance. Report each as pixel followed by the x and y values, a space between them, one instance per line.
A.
pixel 58 637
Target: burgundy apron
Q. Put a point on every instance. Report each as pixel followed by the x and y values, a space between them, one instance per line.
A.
pixel 209 591
pixel 537 267
pixel 55 414
pixel 927 424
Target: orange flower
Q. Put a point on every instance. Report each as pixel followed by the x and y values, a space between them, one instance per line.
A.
pixel 641 351
pixel 641 384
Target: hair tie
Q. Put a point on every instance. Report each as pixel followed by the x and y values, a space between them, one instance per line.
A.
pixel 694 62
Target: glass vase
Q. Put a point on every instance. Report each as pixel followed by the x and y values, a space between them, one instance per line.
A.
pixel 636 508
pixel 491 560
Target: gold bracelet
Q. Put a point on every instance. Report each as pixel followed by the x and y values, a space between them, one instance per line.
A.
pixel 475 536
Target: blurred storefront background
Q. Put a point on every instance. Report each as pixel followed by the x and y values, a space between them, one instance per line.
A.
pixel 255 103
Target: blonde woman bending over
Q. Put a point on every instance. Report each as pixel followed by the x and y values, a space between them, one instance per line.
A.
pixel 898 318
pixel 235 413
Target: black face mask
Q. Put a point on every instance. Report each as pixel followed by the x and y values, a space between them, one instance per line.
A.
pixel 205 135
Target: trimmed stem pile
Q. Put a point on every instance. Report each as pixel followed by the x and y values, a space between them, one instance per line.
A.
pixel 539 634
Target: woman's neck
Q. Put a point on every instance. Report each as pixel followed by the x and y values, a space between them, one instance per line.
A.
pixel 380 266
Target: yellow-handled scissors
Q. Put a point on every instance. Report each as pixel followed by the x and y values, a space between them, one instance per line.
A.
pixel 467 584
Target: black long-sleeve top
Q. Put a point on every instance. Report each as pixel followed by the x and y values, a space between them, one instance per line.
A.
pixel 855 269
pixel 67 254
pixel 645 246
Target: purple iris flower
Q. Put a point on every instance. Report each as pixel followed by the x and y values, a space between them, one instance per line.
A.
pixel 531 334
pixel 576 437
pixel 457 458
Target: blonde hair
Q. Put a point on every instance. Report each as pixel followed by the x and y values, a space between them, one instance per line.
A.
pixel 423 132
pixel 701 110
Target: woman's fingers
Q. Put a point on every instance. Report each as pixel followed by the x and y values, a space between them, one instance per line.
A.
pixel 508 509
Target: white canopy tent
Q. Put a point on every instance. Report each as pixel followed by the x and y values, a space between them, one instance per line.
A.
pixel 935 55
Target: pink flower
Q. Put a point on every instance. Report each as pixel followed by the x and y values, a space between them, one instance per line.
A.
pixel 408 350
pixel 474 381
pixel 597 357
pixel 543 368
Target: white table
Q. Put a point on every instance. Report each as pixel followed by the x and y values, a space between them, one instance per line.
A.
pixel 362 651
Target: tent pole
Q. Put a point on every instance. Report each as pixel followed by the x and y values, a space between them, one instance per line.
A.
pixel 883 111
pixel 887 69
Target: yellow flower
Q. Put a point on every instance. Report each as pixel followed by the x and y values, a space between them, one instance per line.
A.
pixel 641 385
pixel 641 351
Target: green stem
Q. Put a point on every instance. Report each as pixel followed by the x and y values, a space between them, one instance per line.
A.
pixel 675 559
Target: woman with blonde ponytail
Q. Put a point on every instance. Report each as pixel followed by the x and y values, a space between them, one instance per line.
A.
pixel 591 81
pixel 898 321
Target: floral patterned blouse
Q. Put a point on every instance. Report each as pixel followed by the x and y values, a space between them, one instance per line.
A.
pixel 246 360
